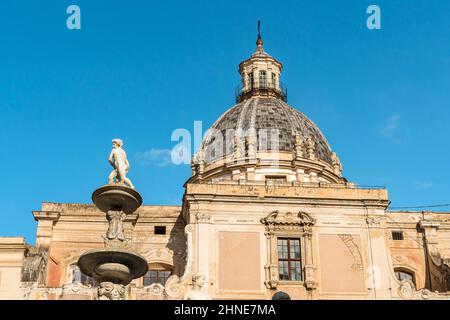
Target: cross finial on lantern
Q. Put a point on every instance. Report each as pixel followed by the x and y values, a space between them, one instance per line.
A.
pixel 259 41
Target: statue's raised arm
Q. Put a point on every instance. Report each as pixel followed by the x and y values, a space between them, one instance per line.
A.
pixel 118 159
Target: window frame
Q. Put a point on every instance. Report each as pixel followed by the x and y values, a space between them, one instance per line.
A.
pixel 399 233
pixel 409 272
pixel 287 224
pixel 251 80
pixel 290 259
pixel 262 79
pixel 151 282
pixel 160 230
pixel 274 79
pixel 80 278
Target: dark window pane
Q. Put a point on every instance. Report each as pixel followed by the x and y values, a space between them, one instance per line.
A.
pixel 403 275
pixel 397 235
pixel 297 252
pixel 86 280
pixel 282 270
pixel 160 229
pixel 289 255
pixel 156 276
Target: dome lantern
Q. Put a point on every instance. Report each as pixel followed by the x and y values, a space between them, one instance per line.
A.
pixel 260 75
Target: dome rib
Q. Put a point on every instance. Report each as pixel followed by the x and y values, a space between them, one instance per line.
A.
pixel 265 113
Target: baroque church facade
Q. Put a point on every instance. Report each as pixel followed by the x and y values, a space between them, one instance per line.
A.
pixel 266 214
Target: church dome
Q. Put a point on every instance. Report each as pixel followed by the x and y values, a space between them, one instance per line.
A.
pixel 262 138
pixel 264 114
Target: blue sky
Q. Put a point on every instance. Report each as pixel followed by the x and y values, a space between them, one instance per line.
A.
pixel 139 69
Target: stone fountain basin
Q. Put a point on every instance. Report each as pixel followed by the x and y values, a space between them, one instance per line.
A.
pixel 117 197
pixel 116 265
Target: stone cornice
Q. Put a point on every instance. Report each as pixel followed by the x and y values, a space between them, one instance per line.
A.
pixel 329 203
pixel 288 194
pixel 46 215
pixel 429 224
pixel 13 244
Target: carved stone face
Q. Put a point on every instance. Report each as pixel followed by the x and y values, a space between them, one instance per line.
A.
pixel 115 294
pixel 111 291
pixel 198 281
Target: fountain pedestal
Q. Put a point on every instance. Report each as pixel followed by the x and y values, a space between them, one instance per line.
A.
pixel 115 266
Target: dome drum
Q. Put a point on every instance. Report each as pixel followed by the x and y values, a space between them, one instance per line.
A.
pixel 267 165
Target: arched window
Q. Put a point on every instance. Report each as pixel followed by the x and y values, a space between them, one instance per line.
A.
pixel 251 81
pixel 262 79
pixel 79 277
pixel 157 273
pixel 402 274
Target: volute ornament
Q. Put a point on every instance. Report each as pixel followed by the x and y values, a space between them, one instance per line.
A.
pixel 176 287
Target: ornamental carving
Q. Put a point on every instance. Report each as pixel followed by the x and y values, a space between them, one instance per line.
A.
pixel 401 260
pixel 288 219
pixel 336 163
pixel 298 146
pixel 407 291
pixel 111 291
pixel 176 287
pixel 161 255
pixel 203 218
pixel 374 222
pixel 354 250
pixel 310 147
pixel 250 144
pixel 310 277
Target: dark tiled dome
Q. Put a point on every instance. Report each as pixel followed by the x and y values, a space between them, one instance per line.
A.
pixel 265 113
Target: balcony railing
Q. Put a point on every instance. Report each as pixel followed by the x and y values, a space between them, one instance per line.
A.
pixel 270 89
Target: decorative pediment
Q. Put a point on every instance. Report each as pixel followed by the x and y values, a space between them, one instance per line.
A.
pixel 288 218
pixel 162 255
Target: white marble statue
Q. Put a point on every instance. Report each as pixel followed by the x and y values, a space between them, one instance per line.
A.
pixel 298 146
pixel 198 281
pixel 310 148
pixel 118 160
pixel 336 162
